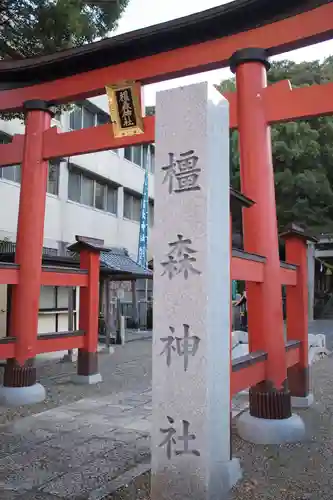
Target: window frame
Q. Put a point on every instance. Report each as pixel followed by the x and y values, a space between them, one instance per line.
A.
pixel 7 139
pixel 129 152
pixel 73 169
pixel 89 108
pixel 151 213
pixel 133 196
pixel 55 163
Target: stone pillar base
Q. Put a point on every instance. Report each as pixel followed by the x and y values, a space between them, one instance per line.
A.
pixel 302 401
pixel 270 431
pixel 96 378
pixel 87 368
pixel 269 420
pixel 19 396
pixel 19 384
pixel 231 473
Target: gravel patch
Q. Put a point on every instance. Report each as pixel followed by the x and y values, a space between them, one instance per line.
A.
pixel 300 471
pixel 138 489
pixel 128 368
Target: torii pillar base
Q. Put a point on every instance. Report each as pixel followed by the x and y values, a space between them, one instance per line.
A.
pixel 87 369
pixel 87 360
pixel 20 386
pixel 270 431
pixel 302 402
pixel 269 420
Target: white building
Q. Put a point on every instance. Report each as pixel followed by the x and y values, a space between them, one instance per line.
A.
pixel 96 195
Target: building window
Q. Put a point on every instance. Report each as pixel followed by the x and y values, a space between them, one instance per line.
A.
pixel 47 299
pixel 74 186
pixel 128 153
pixel 13 173
pixel 102 118
pixel 85 189
pixel 141 287
pixel 88 118
pixel 151 214
pixel 143 156
pixel 132 206
pixel 137 156
pixel 100 195
pixel 53 177
pixel 4 138
pixel 84 116
pixel 54 302
pixel 75 118
pixel 152 158
pixel 112 200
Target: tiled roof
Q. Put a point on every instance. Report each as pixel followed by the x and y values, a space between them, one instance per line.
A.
pixel 117 260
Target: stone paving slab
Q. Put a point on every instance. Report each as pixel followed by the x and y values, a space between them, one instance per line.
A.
pixel 127 370
pixel 70 451
pixel 83 440
pixel 75 450
pixel 89 477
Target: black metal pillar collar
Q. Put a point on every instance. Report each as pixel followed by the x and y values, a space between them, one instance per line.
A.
pixel 37 105
pixel 251 54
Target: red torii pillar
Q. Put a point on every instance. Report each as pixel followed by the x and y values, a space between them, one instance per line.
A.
pixel 269 419
pixel 20 385
pixel 87 363
pixel 297 313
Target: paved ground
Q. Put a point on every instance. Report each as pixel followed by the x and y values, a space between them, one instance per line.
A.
pixel 301 471
pixel 75 451
pixel 83 441
pixel 80 439
pixel 128 369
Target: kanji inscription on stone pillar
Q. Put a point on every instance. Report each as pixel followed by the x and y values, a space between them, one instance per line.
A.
pixel 191 347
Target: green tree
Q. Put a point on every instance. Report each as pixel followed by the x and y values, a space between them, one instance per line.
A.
pixel 302 153
pixel 39 27
pixel 34 27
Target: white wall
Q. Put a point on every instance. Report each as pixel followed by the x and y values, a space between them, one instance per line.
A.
pixel 9 196
pixel 64 219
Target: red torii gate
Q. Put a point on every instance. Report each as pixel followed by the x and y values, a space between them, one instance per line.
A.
pixel 149 56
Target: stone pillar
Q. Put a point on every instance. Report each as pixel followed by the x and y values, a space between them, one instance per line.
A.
pixel 191 333
pixel 87 362
pixel 297 314
pixel 270 419
pixel 20 385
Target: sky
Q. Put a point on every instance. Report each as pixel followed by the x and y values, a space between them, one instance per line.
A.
pixel 143 13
